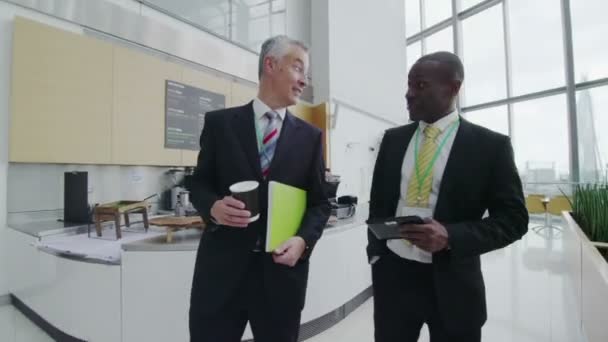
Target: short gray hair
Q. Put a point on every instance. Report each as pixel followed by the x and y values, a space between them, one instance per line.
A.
pixel 277 47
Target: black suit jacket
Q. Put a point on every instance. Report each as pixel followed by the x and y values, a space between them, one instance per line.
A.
pixel 229 154
pixel 480 175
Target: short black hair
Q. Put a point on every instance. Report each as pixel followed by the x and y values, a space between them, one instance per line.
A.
pixel 451 61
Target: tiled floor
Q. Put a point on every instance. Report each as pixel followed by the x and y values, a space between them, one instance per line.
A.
pixel 528 301
pixel 7 323
pixel 358 326
pixel 14 327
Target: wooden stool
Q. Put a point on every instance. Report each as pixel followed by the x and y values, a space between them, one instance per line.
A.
pixel 114 210
pixel 174 223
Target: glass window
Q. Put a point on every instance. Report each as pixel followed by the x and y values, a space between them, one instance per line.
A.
pixel 245 21
pixel 259 10
pixel 412 17
pixel 278 5
pixel 251 23
pixel 436 11
pixel 592 114
pixel 278 23
pixel 218 23
pixel 540 136
pixel 259 31
pixel 484 57
pixel 589 24
pixel 466 4
pixel 252 3
pixel 414 51
pixel 536 66
pixel 495 118
pixel 440 41
pixel 211 16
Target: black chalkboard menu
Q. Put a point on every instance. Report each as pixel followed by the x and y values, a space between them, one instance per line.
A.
pixel 185 108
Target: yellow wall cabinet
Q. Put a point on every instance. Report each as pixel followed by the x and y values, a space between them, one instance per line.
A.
pixel 79 100
pixel 138 117
pixel 61 98
pixel 317 116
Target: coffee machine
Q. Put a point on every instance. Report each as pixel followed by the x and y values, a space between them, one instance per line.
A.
pixel 173 184
pixel 177 185
pixel 341 207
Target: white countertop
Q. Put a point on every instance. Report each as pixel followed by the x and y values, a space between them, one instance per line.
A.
pixel 73 241
pixel 188 240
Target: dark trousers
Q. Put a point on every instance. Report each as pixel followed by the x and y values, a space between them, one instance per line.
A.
pixel 404 300
pixel 251 303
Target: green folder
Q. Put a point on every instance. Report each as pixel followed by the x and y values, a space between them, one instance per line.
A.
pixel 286 208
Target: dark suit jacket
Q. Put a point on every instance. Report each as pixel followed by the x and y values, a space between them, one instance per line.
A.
pixel 480 175
pixel 229 154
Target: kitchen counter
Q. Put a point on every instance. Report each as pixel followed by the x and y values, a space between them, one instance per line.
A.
pixel 73 294
pixel 151 266
pixel 40 229
pixel 188 239
pixel 183 240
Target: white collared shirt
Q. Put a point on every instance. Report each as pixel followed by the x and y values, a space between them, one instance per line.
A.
pixel 398 246
pixel 261 122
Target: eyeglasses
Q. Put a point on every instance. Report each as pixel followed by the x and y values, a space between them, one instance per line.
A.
pixel 300 70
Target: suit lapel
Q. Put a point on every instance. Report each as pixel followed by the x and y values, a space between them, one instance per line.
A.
pixel 286 142
pixel 453 168
pixel 244 126
pixel 394 176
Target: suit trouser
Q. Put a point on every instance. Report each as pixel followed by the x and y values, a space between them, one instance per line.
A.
pixel 250 303
pixel 404 300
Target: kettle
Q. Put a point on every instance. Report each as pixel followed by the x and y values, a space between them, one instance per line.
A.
pixel 175 195
pixel 184 207
pixel 171 179
pixel 331 184
pixel 184 198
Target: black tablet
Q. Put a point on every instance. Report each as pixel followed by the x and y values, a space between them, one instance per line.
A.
pixel 388 228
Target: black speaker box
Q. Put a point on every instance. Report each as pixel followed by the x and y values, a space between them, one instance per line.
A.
pixel 75 197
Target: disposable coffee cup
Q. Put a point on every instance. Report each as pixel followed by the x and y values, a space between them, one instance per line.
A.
pixel 247 192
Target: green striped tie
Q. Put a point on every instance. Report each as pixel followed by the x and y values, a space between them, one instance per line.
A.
pixel 419 190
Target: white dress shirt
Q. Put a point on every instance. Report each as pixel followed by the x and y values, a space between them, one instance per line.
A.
pixel 399 247
pixel 261 122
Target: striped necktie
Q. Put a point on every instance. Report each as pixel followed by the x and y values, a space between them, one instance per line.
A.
pixel 269 143
pixel 420 183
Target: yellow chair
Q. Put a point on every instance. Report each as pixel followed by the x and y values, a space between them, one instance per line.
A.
pixel 534 204
pixel 558 204
pixel 539 204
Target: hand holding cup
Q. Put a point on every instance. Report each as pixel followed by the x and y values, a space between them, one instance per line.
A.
pixel 241 208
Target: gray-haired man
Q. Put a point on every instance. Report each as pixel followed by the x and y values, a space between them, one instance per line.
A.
pixel 235 281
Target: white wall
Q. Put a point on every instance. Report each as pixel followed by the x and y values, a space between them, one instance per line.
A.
pixel 5 34
pixel 297 19
pixel 7 14
pixel 367 55
pixel 352 156
pixel 358 57
pixel 319 56
pixel 38 187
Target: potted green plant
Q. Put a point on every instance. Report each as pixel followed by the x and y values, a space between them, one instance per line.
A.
pixel 590 211
pixel 585 247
